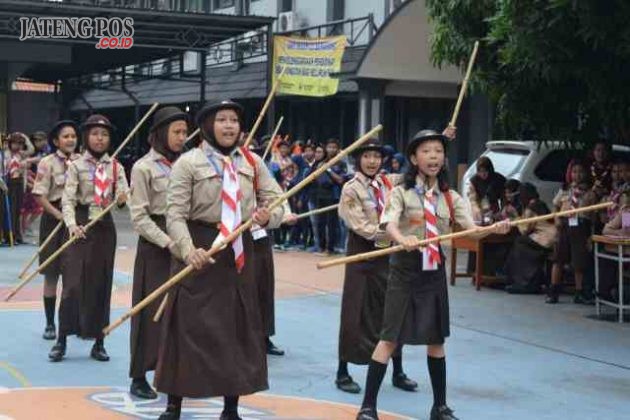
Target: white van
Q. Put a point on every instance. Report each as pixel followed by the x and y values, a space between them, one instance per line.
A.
pixel 541 164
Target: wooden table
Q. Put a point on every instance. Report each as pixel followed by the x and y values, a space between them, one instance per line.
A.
pixel 476 245
pixel 617 246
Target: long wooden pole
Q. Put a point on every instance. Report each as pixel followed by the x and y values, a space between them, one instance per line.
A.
pixel 263 111
pixel 57 253
pixel 135 129
pixel 464 88
pixel 273 137
pixel 40 249
pixel 238 231
pixel 317 211
pixel 391 250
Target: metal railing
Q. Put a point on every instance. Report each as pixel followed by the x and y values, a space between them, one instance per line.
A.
pixel 251 46
pixel 193 6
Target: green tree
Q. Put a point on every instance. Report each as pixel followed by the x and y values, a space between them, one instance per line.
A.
pixel 555 69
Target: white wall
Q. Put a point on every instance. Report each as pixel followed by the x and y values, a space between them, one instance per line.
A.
pixel 313 12
pixel 264 8
pixel 360 8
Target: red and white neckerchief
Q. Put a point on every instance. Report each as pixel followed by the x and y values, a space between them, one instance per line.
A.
pixel 431 253
pixel 102 183
pixel 15 165
pixel 231 210
pixel 379 196
pixel 576 193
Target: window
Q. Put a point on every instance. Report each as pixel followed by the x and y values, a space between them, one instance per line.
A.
pixel 507 161
pixel 222 4
pixel 553 167
pixel 285 5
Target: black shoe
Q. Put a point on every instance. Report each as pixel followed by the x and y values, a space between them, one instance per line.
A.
pixel 169 415
pixel 98 353
pixel 367 413
pixel 347 384
pixel 401 381
pixel 442 413
pixel 552 299
pixel 580 299
pixel 229 416
pixel 49 332
pixel 141 389
pixel 273 350
pixel 57 352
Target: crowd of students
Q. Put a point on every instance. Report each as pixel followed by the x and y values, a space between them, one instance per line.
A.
pixel 563 243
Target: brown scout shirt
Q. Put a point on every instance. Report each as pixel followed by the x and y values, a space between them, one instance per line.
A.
pixel 407 208
pixel 562 200
pixel 543 233
pixel 357 206
pixel 149 181
pixel 51 175
pixel 194 192
pixel 79 187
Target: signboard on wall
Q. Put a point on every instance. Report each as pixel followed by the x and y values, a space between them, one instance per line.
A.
pixel 309 63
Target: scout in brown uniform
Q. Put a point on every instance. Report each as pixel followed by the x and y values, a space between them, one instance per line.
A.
pixel 15 167
pixel 361 205
pixel 212 341
pixel 416 303
pixel 93 181
pixel 147 205
pixel 47 190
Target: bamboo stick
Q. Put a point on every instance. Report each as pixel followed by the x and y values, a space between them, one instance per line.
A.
pixel 263 111
pixel 317 211
pixel 238 231
pixel 462 90
pixel 58 252
pixel 135 129
pixel 273 137
pixel 40 249
pixel 391 250
pixel 160 311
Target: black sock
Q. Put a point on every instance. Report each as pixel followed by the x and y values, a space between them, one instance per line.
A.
pixel 376 372
pixel 140 380
pixel 61 339
pixel 174 404
pixel 230 405
pixel 99 341
pixel 437 371
pixel 49 309
pixel 342 369
pixel 397 362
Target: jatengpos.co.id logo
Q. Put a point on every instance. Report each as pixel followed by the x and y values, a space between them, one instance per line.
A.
pixel 109 33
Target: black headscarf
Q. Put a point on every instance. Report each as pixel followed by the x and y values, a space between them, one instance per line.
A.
pixel 490 188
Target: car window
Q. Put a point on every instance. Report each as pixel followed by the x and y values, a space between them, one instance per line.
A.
pixel 506 161
pixel 553 167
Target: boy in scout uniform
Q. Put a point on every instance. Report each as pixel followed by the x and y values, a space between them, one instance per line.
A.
pixel 416 303
pixel 48 190
pixel 93 181
pixel 147 205
pixel 212 190
pixel 361 205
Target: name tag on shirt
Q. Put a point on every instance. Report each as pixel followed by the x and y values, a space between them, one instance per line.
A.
pixel 259 233
pixel 574 221
pixel 93 212
pixel 625 220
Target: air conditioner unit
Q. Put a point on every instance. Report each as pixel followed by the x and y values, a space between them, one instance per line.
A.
pixel 287 21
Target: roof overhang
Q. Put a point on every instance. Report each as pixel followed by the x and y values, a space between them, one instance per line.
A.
pixel 401 50
pixel 157 34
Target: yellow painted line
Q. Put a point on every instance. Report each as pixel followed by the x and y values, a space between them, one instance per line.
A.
pixel 16 374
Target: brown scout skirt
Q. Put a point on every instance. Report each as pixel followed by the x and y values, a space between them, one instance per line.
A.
pixel 151 269
pixel 416 303
pixel 88 272
pixel 47 224
pixel 266 281
pixel 16 199
pixel 212 342
pixel 572 244
pixel 362 303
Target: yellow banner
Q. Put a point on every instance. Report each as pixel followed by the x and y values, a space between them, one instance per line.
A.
pixel 308 62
